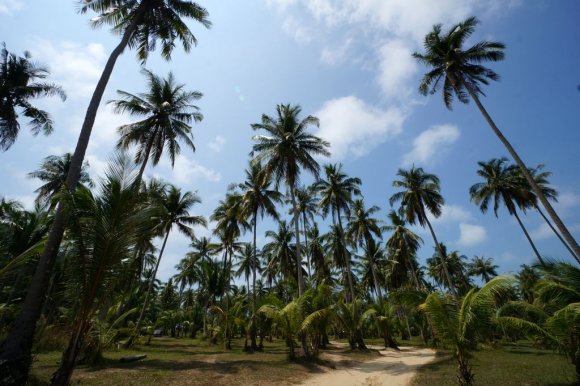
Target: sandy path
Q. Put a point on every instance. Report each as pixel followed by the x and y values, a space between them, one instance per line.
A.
pixel 392 368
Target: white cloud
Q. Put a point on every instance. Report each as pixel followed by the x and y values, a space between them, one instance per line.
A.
pixel 355 128
pixel 186 171
pixel 297 30
pixel 470 235
pixel 451 214
pixel 568 200
pixel 431 143
pixel 97 167
pixel 396 68
pixel 542 232
pixel 74 66
pixel 217 144
pixel 9 7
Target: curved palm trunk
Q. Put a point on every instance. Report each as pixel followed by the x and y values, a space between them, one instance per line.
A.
pixel 528 237
pixel 305 225
pixel 131 340
pixel 553 215
pixel 557 234
pixel 145 160
pixel 373 271
pixel 443 262
pixel 16 350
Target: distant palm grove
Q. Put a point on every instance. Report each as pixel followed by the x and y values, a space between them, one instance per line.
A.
pixel 79 270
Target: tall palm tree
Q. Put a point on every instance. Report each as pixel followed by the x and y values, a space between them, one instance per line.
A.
pixel 420 195
pixel 336 195
pixel 307 205
pixel 52 172
pixel 287 148
pixel 141 23
pixel 482 267
pixel 361 228
pixel 175 212
pixel 18 85
pixel 541 178
pixel 257 199
pixel 167 111
pixel 462 75
pixel 318 257
pixel 403 245
pixel 502 183
pixel 279 248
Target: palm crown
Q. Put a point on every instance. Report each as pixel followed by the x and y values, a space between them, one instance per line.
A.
pixel 459 68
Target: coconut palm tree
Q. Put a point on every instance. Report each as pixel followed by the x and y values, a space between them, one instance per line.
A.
pixel 336 196
pixel 502 183
pixel 280 250
pixel 307 205
pixel 403 245
pixel 541 178
pixel 462 323
pixel 463 74
pixel 103 233
pixel 482 267
pixel 318 258
pixel 167 111
pixel 52 172
pixel 285 150
pixel 141 23
pixel 175 213
pixel 18 85
pixel 420 195
pixel 361 228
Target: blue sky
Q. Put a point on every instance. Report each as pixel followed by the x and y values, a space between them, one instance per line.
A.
pixel 347 62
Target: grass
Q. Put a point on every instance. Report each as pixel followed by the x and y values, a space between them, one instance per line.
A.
pixel 195 362
pixel 511 365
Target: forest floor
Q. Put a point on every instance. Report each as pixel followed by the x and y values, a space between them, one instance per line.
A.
pixel 185 361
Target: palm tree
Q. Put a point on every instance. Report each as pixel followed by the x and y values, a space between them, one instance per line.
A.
pixel 18 85
pixel 462 72
pixel 167 112
pixel 141 23
pixel 318 257
pixel 403 245
pixel 307 207
pixel 104 232
pixel 280 250
pixel 462 323
pixel 420 195
pixel 361 228
pixel 502 183
pixel 286 149
pixel 257 199
pixel 175 208
pixel 482 267
pixel 53 173
pixel 336 195
pixel 541 178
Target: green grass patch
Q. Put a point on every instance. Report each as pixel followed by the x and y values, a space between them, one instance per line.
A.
pixel 511 365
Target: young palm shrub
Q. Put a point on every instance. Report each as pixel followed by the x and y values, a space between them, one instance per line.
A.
pixel 104 232
pixel 462 323
pixel 288 320
pixel 384 316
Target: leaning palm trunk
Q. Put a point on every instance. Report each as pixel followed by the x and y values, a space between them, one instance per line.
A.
pixel 62 376
pixel 528 237
pixel 553 215
pixel 557 233
pixel 16 350
pixel 442 257
pixel 131 340
pixel 145 159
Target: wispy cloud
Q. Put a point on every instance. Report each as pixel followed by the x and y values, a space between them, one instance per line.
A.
pixel 431 144
pixel 10 7
pixel 217 144
pixel 470 234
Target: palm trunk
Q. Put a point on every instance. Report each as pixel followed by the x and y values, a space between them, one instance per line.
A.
pixel 551 212
pixel 16 350
pixel 346 256
pixel 145 159
pixel 62 375
pixel 557 234
pixel 373 271
pixel 528 237
pixel 148 295
pixel 303 344
pixel 304 223
pixel 254 346
pixel 442 257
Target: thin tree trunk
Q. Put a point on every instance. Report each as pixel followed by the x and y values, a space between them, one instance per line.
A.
pixel 148 295
pixel 373 271
pixel 557 233
pixel 254 346
pixel 145 160
pixel 553 215
pixel 442 257
pixel 16 350
pixel 298 250
pixel 346 256
pixel 305 223
pixel 528 237
pixel 62 375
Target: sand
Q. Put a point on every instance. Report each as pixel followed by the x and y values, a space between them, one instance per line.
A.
pixel 392 368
